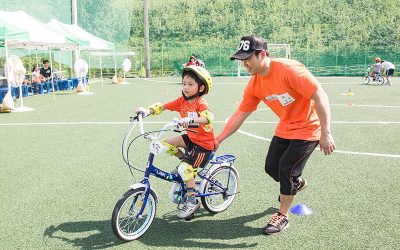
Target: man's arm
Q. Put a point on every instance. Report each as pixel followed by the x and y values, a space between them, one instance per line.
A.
pixel 326 143
pixel 233 124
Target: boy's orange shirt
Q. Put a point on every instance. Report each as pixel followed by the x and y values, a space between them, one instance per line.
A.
pixel 286 90
pixel 205 134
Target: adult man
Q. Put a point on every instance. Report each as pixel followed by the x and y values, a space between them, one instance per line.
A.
pixel 298 99
pixel 389 68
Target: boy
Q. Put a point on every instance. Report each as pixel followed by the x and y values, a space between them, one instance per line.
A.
pixel 198 145
pixel 375 68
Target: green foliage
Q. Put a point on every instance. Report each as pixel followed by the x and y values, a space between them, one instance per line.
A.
pixel 107 19
pixel 43 10
pixel 319 24
pixel 327 31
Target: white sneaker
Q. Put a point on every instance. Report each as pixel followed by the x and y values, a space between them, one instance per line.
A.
pixel 187 210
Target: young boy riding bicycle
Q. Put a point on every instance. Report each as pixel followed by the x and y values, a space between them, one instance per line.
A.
pixel 198 143
pixel 375 69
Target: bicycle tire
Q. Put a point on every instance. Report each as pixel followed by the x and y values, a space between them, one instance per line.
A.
pixel 220 202
pixel 365 80
pixel 380 80
pixel 125 226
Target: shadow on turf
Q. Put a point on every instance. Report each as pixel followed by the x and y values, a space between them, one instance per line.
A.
pixel 166 231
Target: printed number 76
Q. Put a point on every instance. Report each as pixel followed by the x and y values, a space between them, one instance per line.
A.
pixel 245 45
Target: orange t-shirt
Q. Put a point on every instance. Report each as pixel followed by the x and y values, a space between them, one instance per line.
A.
pixel 205 134
pixel 286 90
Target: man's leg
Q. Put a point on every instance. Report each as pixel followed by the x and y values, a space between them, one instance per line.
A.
pixel 276 148
pixel 291 166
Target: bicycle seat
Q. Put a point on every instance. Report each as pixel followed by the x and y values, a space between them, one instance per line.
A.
pixel 223 158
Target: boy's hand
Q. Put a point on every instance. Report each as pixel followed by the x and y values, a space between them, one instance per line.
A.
pixel 144 111
pixel 186 121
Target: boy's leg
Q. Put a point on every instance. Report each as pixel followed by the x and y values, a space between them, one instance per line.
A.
pixel 195 157
pixel 186 172
pixel 174 143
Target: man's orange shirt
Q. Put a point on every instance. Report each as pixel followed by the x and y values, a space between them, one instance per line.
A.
pixel 205 134
pixel 286 90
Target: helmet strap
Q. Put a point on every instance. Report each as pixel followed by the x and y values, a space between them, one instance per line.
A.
pixel 190 97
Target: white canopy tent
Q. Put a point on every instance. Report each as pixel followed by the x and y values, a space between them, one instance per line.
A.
pixel 95 43
pixel 30 33
pixel 39 35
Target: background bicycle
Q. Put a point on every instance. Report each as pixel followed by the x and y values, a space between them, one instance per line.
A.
pixel 368 77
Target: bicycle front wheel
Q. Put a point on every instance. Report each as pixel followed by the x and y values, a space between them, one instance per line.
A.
pixel 365 79
pixel 126 223
pixel 227 178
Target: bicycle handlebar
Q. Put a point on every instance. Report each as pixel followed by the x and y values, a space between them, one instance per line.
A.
pixel 177 128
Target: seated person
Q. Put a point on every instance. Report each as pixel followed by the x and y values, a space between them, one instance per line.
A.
pixel 37 80
pixel 191 62
pixel 46 70
pixel 46 73
pixel 3 80
pixel 27 81
pixel 36 76
pixel 200 63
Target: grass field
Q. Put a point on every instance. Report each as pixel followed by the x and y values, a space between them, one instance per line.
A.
pixel 62 172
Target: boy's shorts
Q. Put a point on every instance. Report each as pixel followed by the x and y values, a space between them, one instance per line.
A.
pixel 195 155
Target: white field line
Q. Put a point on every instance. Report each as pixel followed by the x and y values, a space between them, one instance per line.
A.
pixel 154 80
pixel 337 151
pixel 366 105
pixel 177 82
pixel 353 105
pixel 240 131
pixel 163 122
pixel 244 83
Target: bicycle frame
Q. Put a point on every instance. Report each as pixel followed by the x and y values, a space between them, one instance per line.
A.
pixel 154 171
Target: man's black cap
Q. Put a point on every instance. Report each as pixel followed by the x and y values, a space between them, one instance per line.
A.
pixel 248 46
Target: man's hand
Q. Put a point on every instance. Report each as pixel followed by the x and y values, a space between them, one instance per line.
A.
pixel 327 144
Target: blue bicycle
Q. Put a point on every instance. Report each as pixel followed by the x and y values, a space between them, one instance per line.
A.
pixel 135 211
pixel 378 78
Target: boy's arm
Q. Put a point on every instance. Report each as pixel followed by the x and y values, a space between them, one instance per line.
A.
pixel 156 108
pixel 206 118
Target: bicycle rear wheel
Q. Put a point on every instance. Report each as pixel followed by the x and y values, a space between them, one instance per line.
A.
pixel 380 80
pixel 126 225
pixel 226 177
pixel 365 79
